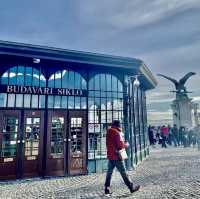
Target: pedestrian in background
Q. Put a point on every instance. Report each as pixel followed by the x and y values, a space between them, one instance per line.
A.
pixel 114 143
pixel 175 134
pixel 164 134
pixel 169 140
pixel 151 136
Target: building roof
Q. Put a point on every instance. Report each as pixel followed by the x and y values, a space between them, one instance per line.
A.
pixel 52 53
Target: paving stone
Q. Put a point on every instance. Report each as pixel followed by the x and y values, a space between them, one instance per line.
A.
pixel 167 173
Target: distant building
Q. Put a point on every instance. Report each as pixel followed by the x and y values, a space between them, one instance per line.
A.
pixel 55 107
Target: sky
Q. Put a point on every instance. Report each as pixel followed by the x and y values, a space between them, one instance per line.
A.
pixel 165 34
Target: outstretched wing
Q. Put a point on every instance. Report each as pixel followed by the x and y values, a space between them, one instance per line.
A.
pixel 186 77
pixel 169 78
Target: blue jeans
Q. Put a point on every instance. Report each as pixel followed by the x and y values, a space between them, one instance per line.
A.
pixel 121 168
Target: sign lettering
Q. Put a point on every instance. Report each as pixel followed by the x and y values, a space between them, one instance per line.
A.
pixel 13 89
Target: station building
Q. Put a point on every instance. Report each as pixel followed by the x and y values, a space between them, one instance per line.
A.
pixel 56 105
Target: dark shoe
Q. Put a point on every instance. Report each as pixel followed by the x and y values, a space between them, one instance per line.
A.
pixel 134 188
pixel 107 190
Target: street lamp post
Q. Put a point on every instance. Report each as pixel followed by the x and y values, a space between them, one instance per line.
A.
pixel 133 83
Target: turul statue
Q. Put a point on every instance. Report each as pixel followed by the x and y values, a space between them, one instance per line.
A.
pixel 181 91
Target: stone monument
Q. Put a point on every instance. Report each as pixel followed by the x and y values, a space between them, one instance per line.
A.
pixel 182 106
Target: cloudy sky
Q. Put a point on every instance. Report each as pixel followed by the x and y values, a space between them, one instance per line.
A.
pixel 163 33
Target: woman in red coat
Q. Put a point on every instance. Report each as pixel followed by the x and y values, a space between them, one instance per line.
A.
pixel 114 143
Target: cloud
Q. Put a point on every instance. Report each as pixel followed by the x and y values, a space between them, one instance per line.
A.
pixel 152 12
pixel 120 15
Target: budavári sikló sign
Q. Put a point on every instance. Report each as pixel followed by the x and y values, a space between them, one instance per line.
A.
pixel 13 89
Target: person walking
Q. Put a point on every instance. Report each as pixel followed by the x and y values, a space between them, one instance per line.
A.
pixel 164 134
pixel 151 135
pixel 175 135
pixel 170 135
pixel 114 143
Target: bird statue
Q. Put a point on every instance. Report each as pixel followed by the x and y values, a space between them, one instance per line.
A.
pixel 179 85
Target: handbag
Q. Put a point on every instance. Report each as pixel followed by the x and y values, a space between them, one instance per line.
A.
pixel 122 155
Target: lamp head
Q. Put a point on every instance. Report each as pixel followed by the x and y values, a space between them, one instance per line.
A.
pixel 36 60
pixel 136 82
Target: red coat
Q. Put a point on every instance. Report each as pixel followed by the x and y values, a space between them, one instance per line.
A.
pixel 164 131
pixel 114 142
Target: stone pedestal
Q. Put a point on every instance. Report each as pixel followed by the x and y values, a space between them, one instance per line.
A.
pixel 182 112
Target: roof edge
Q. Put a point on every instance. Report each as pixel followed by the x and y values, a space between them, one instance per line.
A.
pixel 148 75
pixel 68 55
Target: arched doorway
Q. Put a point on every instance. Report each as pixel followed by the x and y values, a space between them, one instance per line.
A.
pixel 66 151
pixel 21 122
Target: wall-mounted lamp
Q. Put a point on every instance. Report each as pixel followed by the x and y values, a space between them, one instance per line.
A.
pixel 36 60
pixel 136 82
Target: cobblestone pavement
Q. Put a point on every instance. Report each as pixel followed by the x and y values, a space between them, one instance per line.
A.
pixel 166 173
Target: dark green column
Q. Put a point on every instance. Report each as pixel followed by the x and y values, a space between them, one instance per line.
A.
pixel 126 123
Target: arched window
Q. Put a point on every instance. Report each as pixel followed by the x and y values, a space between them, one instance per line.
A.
pixel 105 104
pixel 23 76
pixel 69 80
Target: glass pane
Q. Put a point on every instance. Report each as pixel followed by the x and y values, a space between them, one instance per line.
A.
pixel 91 84
pixel 77 81
pixel 11 100
pixel 114 83
pixel 19 100
pixel 120 86
pixel 91 103
pixel 97 102
pixel 64 102
pixel 115 115
pixel 103 82
pixel 71 102
pixel 83 83
pixel 77 102
pixel 76 135
pixel 64 79
pixel 3 99
pixel 50 101
pixel 58 79
pixel 28 76
pixel 57 135
pixel 71 79
pixel 97 82
pixel 4 78
pixel 103 116
pixel 51 81
pixel 109 117
pixel 83 103
pixel 42 101
pixel 13 76
pixel 9 137
pixel 109 104
pixel 36 77
pixel 42 81
pixel 20 75
pixel 32 135
pixel 57 103
pixel 34 101
pixel 108 82
pixel 28 121
pixel 103 103
pixel 27 101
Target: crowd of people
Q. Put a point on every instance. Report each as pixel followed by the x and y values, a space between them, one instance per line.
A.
pixel 174 136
